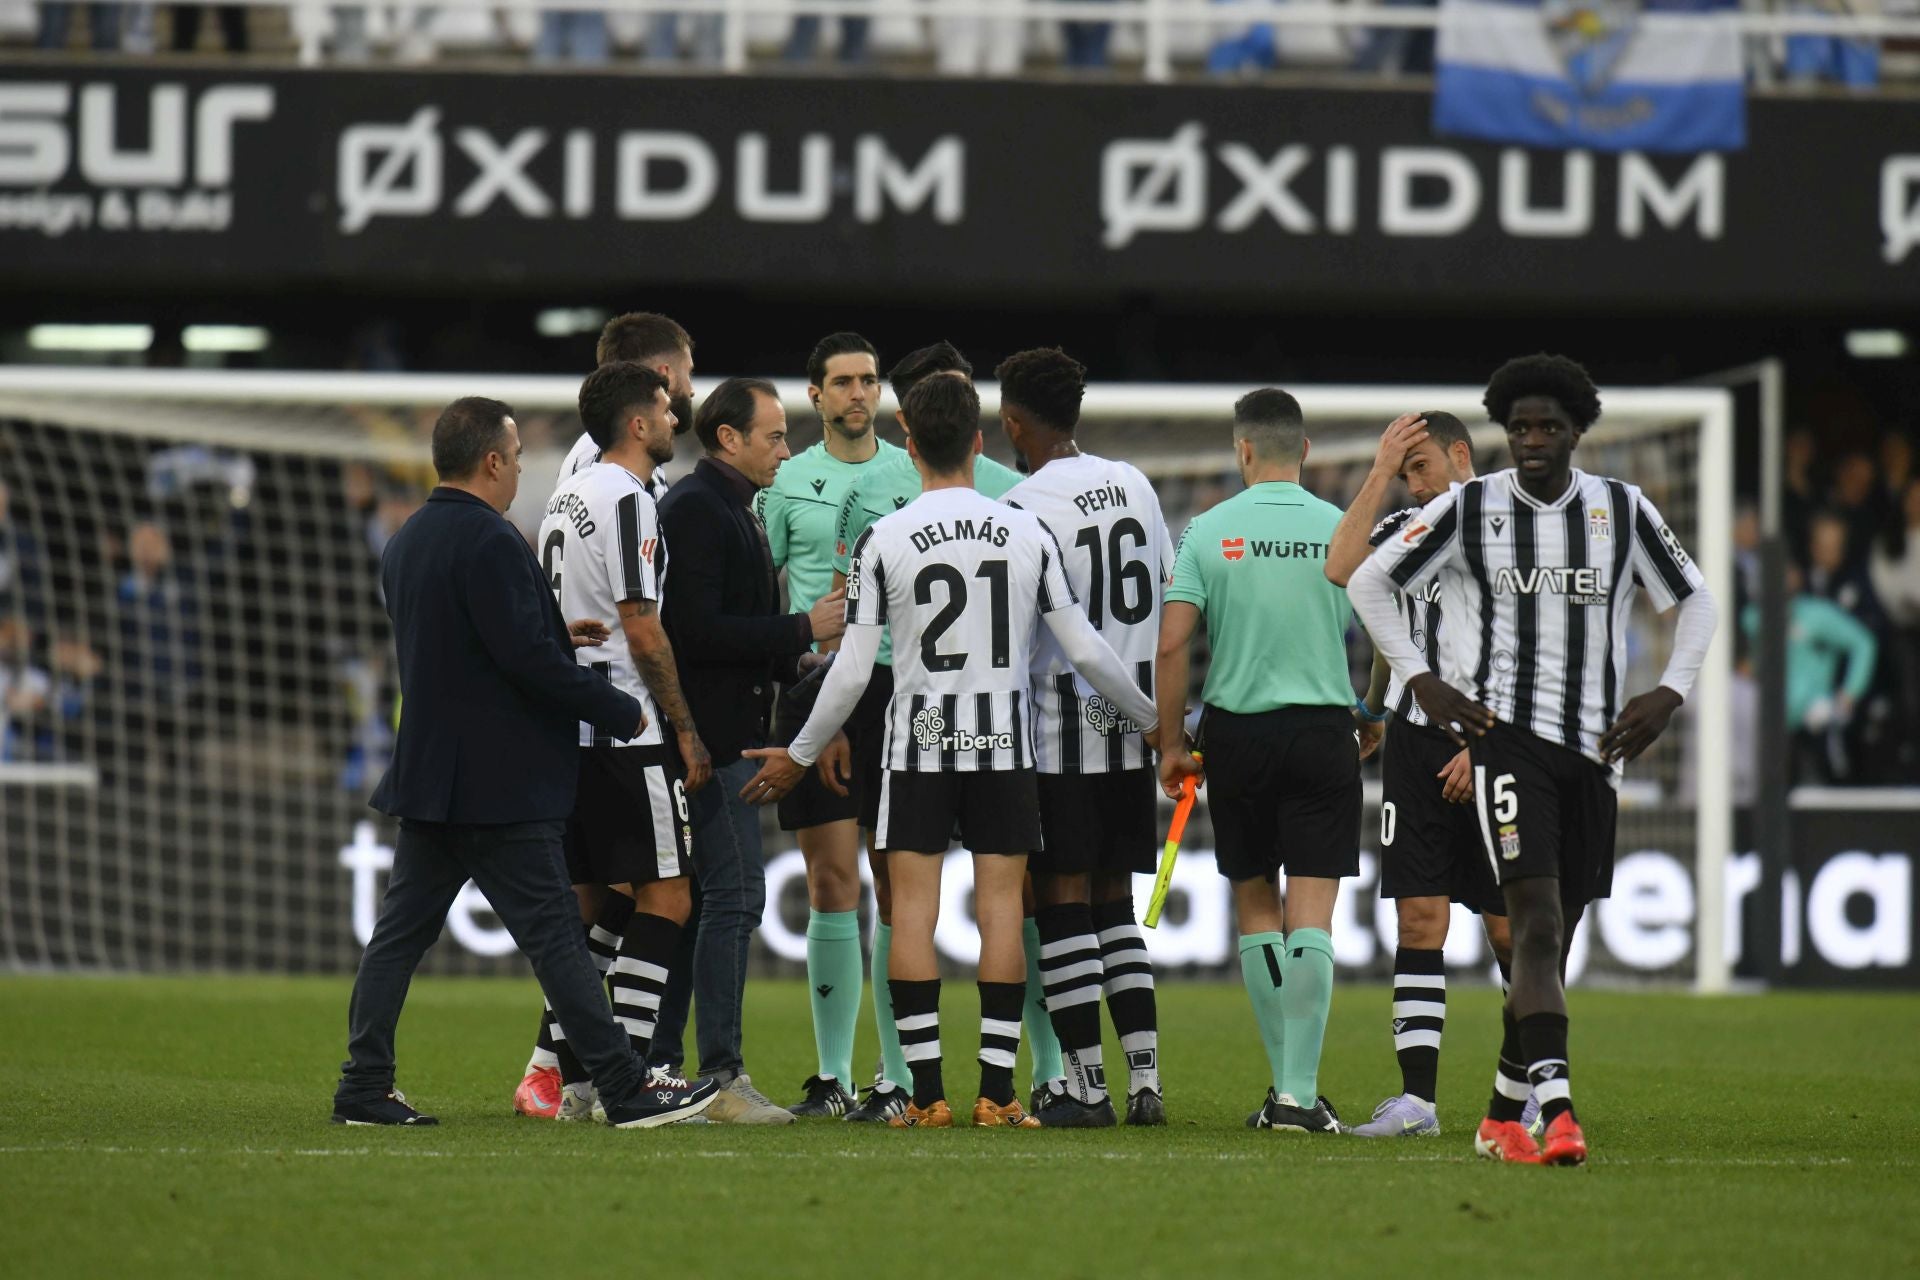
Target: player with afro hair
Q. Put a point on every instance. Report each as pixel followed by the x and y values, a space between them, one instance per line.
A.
pixel 1554 377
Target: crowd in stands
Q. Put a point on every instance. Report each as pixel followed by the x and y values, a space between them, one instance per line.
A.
pixel 1851 521
pixel 908 32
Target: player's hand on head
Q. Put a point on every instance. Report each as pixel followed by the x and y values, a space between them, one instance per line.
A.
pixel 1402 434
pixel 1456 780
pixel 588 633
pixel 829 615
pixel 1641 721
pixel 835 765
pixel 1452 711
pixel 693 753
pixel 778 775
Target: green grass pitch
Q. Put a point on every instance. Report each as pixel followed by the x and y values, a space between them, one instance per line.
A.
pixel 178 1127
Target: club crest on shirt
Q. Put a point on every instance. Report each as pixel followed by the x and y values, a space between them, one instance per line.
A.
pixel 1509 841
pixel 1233 548
pixel 928 726
pixel 1599 523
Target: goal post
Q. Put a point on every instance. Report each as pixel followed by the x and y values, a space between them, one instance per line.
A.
pixel 245 844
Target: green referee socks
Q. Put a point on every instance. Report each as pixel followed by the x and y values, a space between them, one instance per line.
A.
pixel 1260 966
pixel 1305 1001
pixel 834 974
pixel 893 1063
pixel 1046 1045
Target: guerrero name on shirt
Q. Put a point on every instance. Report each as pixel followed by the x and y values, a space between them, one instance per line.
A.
pixel 600 545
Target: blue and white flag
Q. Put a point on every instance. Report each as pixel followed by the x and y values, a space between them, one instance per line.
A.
pixel 1609 75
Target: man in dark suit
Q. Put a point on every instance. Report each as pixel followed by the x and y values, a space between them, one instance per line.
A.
pixel 733 642
pixel 484 770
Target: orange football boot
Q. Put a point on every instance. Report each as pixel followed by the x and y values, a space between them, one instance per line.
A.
pixel 936 1115
pixel 539 1094
pixel 1506 1140
pixel 996 1115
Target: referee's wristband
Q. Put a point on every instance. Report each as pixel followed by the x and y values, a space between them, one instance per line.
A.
pixel 1360 705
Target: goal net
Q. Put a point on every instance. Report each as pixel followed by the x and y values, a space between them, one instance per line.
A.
pixel 197 683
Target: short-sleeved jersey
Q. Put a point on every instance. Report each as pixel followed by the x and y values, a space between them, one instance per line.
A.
pixel 1421 609
pixel 883 490
pixel 585 453
pixel 600 545
pixel 1256 567
pixel 960 582
pixel 1538 595
pixel 800 509
pixel 1107 520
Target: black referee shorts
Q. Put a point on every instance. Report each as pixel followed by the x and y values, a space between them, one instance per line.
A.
pixel 1098 822
pixel 989 811
pixel 1429 848
pixel 813 803
pixel 1544 810
pixel 1283 788
pixel 629 823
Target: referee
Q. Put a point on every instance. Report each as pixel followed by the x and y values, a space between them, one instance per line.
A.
pixel 1277 736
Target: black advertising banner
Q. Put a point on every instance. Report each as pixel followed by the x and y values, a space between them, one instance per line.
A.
pixel 525 182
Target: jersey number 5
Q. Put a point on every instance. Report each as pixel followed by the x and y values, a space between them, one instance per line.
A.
pixel 948 577
pixel 1125 571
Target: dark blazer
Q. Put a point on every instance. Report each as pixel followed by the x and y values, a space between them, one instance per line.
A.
pixel 722 609
pixel 491 697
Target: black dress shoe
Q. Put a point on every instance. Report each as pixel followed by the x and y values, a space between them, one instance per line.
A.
pixel 392 1109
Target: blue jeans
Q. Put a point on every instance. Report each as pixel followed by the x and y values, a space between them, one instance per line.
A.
pixel 103 20
pixel 568 35
pixel 519 866
pixel 730 893
pixel 803 44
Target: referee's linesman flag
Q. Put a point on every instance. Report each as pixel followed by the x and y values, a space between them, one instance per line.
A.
pixel 1608 75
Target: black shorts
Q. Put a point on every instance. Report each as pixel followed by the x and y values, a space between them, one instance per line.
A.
pixel 1429 848
pixel 1098 822
pixel 867 734
pixel 1544 810
pixel 1283 788
pixel 813 803
pixel 993 811
pixel 629 823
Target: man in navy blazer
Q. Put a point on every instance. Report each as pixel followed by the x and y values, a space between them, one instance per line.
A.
pixel 484 771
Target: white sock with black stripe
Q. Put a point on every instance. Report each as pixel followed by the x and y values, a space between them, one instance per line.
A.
pixel 639 976
pixel 1000 1004
pixel 1070 972
pixel 1127 980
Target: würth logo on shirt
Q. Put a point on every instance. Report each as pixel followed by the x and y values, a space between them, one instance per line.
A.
pixel 1233 548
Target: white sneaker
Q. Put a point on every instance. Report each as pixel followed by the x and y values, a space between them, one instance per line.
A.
pixel 580 1102
pixel 740 1103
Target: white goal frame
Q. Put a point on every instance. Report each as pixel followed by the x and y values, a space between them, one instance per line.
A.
pixel 90 396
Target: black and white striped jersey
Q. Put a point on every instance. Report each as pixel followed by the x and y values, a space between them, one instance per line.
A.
pixel 1107 520
pixel 960 582
pixel 1538 595
pixel 585 453
pixel 600 545
pixel 1421 609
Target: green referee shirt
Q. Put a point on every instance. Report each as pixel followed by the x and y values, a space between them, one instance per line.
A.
pixel 799 510
pixel 881 491
pixel 1256 567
